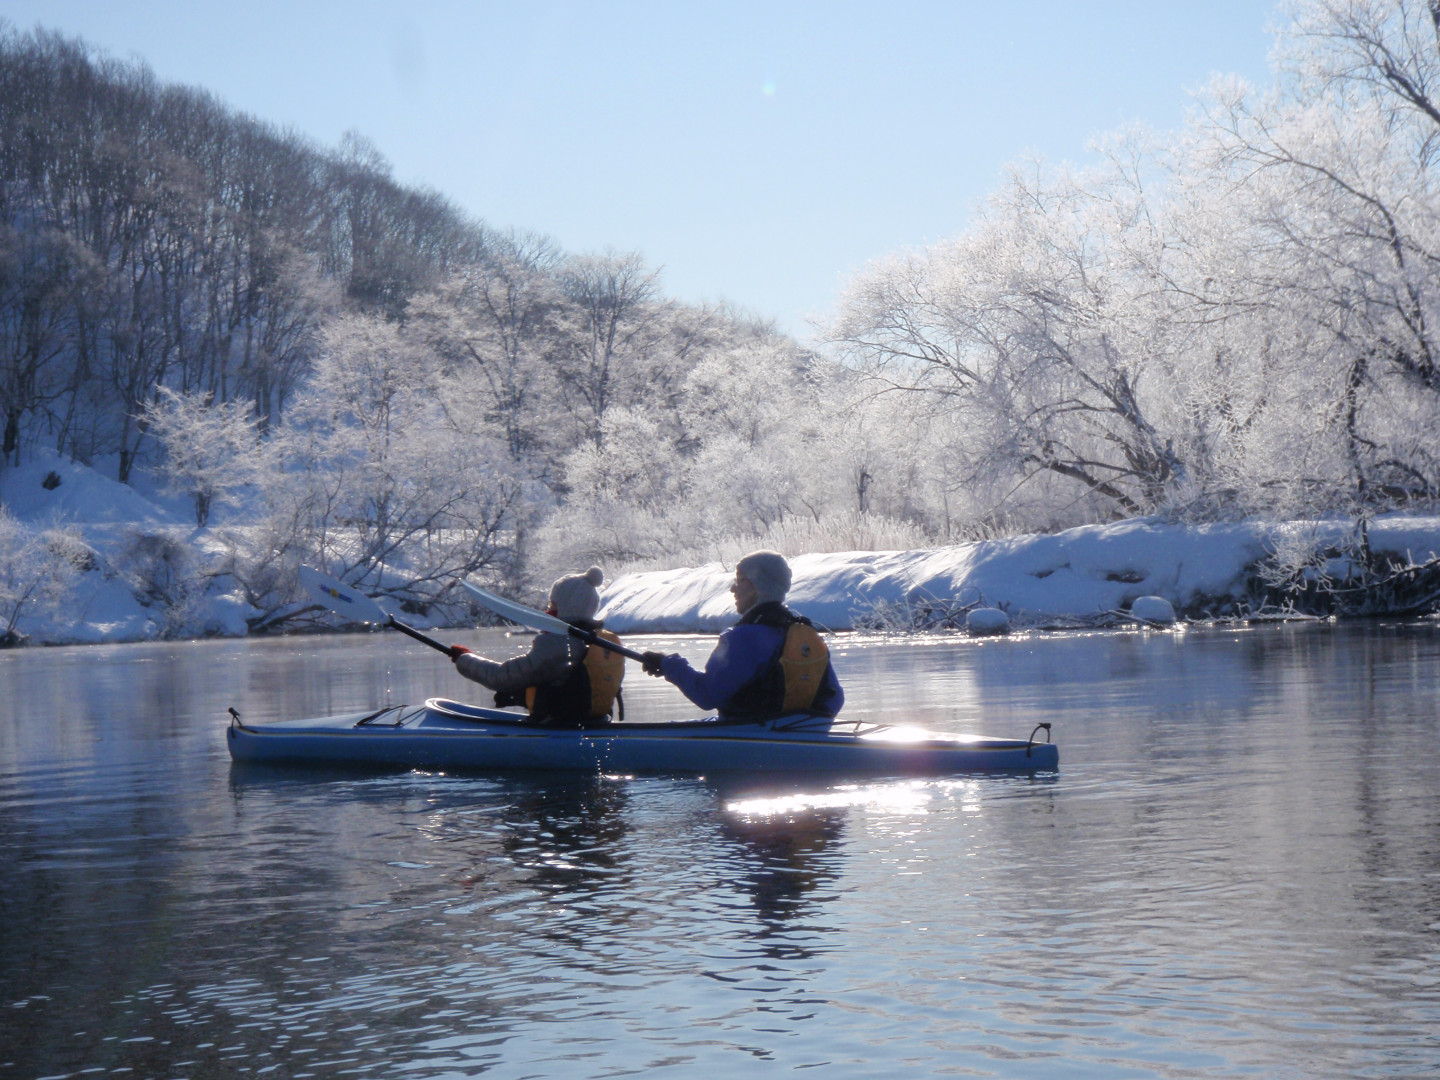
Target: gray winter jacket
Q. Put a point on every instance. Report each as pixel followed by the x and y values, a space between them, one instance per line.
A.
pixel 549 660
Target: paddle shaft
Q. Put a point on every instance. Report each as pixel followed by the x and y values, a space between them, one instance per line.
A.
pixel 418 636
pixel 592 638
pixel 584 635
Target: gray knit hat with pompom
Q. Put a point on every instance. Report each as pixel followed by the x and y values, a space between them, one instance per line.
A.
pixel 576 597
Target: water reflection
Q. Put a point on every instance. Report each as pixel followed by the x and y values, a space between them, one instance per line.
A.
pixel 789 863
pixel 1235 872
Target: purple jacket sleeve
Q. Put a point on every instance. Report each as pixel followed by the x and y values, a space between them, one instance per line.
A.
pixel 737 657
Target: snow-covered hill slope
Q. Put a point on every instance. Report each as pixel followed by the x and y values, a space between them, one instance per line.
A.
pixel 1078 573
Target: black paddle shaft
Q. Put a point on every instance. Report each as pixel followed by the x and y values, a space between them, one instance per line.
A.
pixel 583 635
pixel 595 639
pixel 418 636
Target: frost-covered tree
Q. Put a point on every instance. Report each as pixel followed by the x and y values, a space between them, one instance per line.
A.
pixel 755 414
pixel 614 326
pixel 38 569
pixel 1045 330
pixel 497 324
pixel 1238 319
pixel 41 271
pixel 211 450
pixel 740 449
pixel 1332 177
pixel 377 480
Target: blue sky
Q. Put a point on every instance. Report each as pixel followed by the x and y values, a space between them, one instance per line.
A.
pixel 757 153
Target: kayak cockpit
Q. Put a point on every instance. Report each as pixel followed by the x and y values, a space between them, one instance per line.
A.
pixel 801 723
pixel 391 716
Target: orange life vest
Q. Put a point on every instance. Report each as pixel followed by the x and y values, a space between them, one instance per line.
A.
pixel 588 692
pixel 791 680
pixel 803 661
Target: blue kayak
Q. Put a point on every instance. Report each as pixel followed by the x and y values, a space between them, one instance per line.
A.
pixel 448 735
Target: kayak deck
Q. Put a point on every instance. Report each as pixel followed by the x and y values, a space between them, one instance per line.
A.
pixel 450 735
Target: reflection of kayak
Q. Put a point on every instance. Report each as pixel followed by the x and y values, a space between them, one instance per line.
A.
pixel 448 735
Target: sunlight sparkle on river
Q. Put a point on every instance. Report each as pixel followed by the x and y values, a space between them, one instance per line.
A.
pixel 908 796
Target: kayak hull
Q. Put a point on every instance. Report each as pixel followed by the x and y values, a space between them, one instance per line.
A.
pixel 445 735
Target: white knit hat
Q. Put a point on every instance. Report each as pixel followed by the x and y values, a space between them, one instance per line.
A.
pixel 576 597
pixel 768 572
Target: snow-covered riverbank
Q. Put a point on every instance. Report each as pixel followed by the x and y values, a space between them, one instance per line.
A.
pixel 132 542
pixel 1078 574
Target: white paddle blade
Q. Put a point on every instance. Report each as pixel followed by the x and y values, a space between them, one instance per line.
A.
pixel 341 599
pixel 517 613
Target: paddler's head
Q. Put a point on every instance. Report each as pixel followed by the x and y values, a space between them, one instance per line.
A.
pixel 576 597
pixel 760 577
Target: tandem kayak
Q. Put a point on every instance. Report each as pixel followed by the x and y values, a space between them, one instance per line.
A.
pixel 445 735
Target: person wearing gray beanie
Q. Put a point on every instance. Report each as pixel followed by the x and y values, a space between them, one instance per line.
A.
pixel 561 680
pixel 768 572
pixel 771 663
pixel 576 597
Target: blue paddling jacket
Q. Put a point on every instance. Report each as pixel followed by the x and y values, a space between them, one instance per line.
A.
pixel 738 677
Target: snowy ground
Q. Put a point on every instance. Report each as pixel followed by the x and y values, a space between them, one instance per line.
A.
pixel 114 520
pixel 1076 574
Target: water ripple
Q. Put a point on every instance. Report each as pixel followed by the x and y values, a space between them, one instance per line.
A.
pixel 1232 875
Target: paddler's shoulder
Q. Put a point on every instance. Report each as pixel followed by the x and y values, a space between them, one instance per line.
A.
pixel 748 636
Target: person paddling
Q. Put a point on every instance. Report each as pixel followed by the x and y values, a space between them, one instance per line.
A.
pixel 772 663
pixel 562 681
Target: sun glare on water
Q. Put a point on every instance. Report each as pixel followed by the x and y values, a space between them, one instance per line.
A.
pixel 907 797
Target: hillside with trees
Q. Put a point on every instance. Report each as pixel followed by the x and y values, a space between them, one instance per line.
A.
pixel 1235 320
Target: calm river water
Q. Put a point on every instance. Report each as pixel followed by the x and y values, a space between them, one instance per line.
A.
pixel 1236 872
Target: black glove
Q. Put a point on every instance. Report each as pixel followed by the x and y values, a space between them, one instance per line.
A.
pixel 650 661
pixel 505 698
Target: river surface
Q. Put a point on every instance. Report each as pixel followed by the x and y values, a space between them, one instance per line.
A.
pixel 1235 872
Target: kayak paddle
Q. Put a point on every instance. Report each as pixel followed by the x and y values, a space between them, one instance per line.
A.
pixel 538 620
pixel 350 604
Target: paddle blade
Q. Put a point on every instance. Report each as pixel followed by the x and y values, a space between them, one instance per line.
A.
pixel 517 613
pixel 341 599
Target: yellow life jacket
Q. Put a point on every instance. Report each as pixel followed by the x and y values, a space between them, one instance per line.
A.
pixel 588 692
pixel 791 680
pixel 606 670
pixel 803 661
